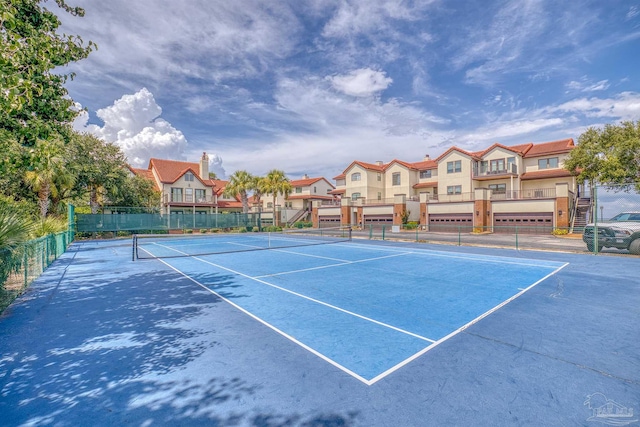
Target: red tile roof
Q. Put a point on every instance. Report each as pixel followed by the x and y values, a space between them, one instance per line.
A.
pixel 546 173
pixel 341 176
pixel 145 173
pixel 460 150
pixel 425 185
pixel 547 148
pixel 308 181
pixel 169 171
pixel 338 191
pixel 309 196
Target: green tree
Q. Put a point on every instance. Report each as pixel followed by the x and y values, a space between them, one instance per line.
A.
pixel 35 104
pixel 14 231
pixel 138 191
pixel 240 183
pixel 274 183
pixel 48 174
pixel 100 169
pixel 609 156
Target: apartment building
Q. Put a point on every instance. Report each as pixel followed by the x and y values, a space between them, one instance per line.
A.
pixel 297 205
pixel 186 188
pixel 494 189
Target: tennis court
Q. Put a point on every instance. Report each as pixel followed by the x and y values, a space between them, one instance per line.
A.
pixel 349 333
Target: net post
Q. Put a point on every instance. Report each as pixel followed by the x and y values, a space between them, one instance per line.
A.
pixel 350 232
pixel 133 247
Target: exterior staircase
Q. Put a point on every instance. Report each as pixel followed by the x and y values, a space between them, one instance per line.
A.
pixel 581 215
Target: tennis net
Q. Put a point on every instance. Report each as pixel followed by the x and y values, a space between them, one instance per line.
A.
pixel 152 246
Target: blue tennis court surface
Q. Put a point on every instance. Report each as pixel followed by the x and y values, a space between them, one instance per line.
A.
pixel 355 334
pixel 366 310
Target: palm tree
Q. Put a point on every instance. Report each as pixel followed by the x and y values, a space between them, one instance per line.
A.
pixel 239 184
pixel 256 186
pixel 48 173
pixel 14 231
pixel 276 182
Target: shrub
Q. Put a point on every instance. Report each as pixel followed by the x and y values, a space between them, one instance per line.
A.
pixel 188 231
pixel 204 230
pixel 255 229
pixel 560 232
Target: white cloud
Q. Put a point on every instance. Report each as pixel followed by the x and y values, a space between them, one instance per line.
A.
pixel 586 86
pixel 133 123
pixel 624 106
pixel 362 82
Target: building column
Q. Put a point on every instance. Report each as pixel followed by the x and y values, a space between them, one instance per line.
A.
pixel 345 212
pixel 315 218
pixel 399 207
pixel 482 210
pixel 562 213
pixel 424 209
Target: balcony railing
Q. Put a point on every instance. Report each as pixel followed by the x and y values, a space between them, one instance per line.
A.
pixel 451 198
pixel 536 193
pixel 511 169
pixel 183 198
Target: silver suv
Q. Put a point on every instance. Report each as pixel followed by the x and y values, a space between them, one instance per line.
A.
pixel 621 232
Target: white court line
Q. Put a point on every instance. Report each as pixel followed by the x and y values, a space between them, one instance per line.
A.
pixel 344 262
pixel 331 361
pixel 466 257
pixel 462 328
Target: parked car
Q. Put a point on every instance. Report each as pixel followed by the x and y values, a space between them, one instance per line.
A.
pixel 621 232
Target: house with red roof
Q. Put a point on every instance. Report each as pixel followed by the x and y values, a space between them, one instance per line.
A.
pixel 297 205
pixel 494 189
pixel 186 188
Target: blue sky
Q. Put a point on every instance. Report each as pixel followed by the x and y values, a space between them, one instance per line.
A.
pixel 310 86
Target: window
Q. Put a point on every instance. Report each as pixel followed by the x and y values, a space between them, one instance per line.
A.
pixel 355 176
pixel 454 167
pixel 498 188
pixel 188 176
pixel 355 196
pixel 176 194
pixel 454 189
pixel 270 204
pixel 314 190
pixel 298 189
pixel 379 195
pixel 496 165
pixel 201 196
pixel 549 163
pixel 395 178
pixel 425 174
pixel 379 177
pixel 188 193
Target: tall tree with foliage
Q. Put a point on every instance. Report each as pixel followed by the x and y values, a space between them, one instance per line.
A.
pixel 48 174
pixel 100 168
pixel 240 183
pixel 609 156
pixel 35 105
pixel 274 183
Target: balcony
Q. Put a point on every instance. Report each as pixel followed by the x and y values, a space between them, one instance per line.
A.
pixel 480 174
pixel 451 198
pixel 536 193
pixel 188 199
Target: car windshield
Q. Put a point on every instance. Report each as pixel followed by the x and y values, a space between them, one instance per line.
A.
pixel 626 216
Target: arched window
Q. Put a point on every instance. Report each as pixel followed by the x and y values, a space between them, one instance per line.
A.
pixel 355 176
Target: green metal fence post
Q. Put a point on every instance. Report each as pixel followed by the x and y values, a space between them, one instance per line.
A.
pixel 459 235
pixel 595 220
pixel 383 227
pixel 370 231
pixel 516 237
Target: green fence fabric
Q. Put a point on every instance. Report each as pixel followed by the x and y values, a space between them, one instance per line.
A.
pixel 27 262
pixel 156 222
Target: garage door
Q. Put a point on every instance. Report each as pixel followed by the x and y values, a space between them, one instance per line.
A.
pixel 526 223
pixel 451 222
pixel 329 220
pixel 378 219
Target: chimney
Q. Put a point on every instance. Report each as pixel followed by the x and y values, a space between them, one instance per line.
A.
pixel 379 162
pixel 427 157
pixel 204 166
pixel 305 176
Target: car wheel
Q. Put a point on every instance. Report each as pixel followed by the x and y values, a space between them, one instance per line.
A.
pixel 634 247
pixel 590 247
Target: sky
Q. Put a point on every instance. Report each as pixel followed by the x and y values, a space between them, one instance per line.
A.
pixel 310 86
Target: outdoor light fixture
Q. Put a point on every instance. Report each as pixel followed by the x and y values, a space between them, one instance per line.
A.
pixel 560 212
pixel 477 213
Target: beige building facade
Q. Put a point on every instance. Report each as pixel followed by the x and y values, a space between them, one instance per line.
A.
pixel 493 190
